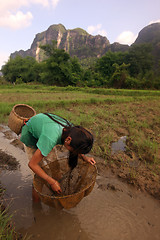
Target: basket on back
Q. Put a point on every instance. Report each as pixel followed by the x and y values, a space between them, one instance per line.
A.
pixel 19 114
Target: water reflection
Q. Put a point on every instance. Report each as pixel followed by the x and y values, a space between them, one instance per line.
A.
pixel 120 145
pixel 55 224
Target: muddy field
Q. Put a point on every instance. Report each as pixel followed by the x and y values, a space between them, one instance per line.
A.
pixel 131 170
pixel 118 209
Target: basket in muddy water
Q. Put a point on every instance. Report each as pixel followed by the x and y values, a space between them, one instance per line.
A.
pixel 18 115
pixel 80 182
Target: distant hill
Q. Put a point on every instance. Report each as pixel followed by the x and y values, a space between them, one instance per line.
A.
pixel 151 34
pixel 77 42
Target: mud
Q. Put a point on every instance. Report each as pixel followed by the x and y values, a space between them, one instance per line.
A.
pixel 8 162
pixel 113 210
pixel 136 173
pixel 18 143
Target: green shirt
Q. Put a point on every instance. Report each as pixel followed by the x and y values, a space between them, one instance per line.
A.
pixel 42 132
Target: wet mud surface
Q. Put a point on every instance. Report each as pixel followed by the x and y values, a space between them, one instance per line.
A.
pixel 8 162
pixel 136 173
pixel 113 210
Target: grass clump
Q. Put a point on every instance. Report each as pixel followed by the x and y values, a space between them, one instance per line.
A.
pixel 6 231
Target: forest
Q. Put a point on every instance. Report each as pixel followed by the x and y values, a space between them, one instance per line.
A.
pixel 132 69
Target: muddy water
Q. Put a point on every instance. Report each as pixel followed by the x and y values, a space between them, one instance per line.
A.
pixel 113 210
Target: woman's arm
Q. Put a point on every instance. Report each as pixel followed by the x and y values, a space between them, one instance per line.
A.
pixel 34 165
pixel 87 159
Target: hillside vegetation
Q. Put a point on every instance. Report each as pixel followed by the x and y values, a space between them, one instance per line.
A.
pixel 134 69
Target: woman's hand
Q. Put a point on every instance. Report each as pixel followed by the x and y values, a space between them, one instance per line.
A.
pixel 34 165
pixel 56 187
pixel 88 159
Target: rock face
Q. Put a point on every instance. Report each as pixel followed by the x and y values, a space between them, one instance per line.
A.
pixel 151 34
pixel 76 42
pixel 117 47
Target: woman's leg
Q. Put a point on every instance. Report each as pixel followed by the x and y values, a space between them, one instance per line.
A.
pixel 35 196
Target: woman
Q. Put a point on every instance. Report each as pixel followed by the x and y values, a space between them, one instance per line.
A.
pixel 44 131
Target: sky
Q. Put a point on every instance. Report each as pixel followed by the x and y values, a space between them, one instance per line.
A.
pixel 118 20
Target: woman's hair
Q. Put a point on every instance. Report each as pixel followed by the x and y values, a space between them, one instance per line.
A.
pixel 82 142
pixel 82 139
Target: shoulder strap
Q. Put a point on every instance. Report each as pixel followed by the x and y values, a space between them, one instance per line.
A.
pixel 63 125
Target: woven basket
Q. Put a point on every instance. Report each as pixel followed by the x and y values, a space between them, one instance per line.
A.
pixel 18 115
pixel 57 170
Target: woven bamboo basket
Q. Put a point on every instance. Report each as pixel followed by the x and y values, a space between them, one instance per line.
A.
pixel 58 170
pixel 19 114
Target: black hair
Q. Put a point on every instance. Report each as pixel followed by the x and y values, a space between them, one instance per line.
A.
pixel 82 139
pixel 82 142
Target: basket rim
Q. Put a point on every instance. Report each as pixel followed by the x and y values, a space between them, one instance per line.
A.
pixel 22 104
pixel 70 195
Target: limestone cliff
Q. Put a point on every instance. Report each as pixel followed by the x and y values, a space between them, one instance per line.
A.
pixel 77 42
pixel 151 34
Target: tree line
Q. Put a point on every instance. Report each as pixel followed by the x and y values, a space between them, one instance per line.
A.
pixel 133 69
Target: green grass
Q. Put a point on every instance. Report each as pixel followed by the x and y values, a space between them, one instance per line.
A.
pixel 6 231
pixel 101 110
pixel 25 88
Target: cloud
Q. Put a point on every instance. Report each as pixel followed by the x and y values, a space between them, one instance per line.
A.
pixel 55 2
pixel 126 37
pixel 13 5
pixel 16 21
pixel 156 21
pixel 12 15
pixel 8 5
pixel 96 29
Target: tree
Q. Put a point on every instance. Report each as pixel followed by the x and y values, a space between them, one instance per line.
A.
pixel 119 77
pixel 21 69
pixel 104 65
pixel 140 59
pixel 59 68
pixel 112 67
